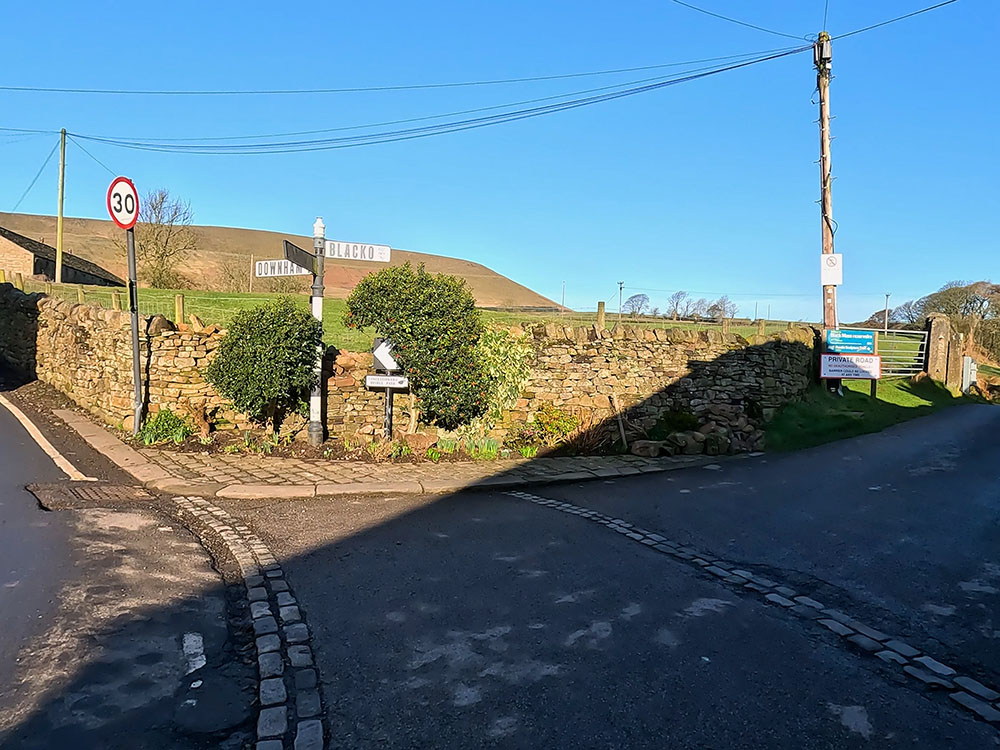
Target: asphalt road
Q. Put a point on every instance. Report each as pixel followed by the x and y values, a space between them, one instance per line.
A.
pixel 35 554
pixel 483 620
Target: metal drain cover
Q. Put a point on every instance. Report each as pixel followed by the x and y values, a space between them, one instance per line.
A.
pixel 62 495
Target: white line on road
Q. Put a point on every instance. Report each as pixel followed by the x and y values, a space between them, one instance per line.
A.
pixel 194 650
pixel 57 458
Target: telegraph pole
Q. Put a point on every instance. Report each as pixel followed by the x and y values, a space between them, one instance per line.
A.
pixel 621 287
pixel 62 194
pixel 823 59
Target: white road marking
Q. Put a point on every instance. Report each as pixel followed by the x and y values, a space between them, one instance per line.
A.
pixel 194 650
pixel 855 718
pixel 57 458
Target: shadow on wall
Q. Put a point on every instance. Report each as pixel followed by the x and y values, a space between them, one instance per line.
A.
pixel 19 331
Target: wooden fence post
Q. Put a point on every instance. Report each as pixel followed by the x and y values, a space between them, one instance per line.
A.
pixel 725 326
pixel 600 315
pixel 48 288
pixel 3 276
pixel 178 308
pixel 18 281
pixel 761 327
pixel 116 300
pixel 81 296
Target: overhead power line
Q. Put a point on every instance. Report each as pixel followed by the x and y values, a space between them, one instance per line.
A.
pixel 412 133
pixel 894 20
pixel 101 163
pixel 35 178
pixel 366 89
pixel 737 21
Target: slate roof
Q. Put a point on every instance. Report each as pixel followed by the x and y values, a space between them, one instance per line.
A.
pixel 41 250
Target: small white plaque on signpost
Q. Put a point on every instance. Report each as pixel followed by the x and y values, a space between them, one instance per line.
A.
pixel 264 269
pixel 831 269
pixel 386 381
pixel 358 251
pixel 850 366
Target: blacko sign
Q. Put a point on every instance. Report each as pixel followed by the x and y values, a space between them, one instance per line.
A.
pixel 123 203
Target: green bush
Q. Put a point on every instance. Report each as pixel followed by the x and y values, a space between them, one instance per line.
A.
pixel 163 427
pixel 265 364
pixel 434 326
pixel 551 427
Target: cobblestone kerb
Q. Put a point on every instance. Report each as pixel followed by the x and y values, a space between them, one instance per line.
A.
pixel 972 695
pixel 290 704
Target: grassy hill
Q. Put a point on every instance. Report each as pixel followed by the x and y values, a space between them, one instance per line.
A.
pixel 219 247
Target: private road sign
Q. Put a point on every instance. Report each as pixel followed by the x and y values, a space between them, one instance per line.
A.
pixel 850 366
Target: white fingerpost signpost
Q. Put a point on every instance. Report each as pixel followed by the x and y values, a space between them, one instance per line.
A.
pixel 316 300
pixel 123 206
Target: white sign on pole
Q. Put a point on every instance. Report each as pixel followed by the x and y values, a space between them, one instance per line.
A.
pixel 358 251
pixel 383 356
pixel 831 271
pixel 279 267
pixel 850 366
pixel 386 381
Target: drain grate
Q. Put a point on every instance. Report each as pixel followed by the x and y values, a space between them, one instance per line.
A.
pixel 113 492
pixel 64 495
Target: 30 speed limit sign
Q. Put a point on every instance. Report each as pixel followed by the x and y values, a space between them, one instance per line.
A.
pixel 123 202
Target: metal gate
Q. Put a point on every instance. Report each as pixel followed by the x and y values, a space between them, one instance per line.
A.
pixel 903 353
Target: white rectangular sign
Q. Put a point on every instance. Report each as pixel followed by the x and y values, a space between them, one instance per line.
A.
pixel 831 271
pixel 278 267
pixel 386 381
pixel 358 251
pixel 850 366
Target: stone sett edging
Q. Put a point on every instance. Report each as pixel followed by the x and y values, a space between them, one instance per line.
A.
pixel 157 478
pixel 981 700
pixel 288 683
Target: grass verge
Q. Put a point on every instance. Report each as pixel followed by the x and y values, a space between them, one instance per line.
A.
pixel 821 418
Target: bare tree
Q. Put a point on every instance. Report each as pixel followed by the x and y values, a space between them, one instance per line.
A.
pixel 234 275
pixel 674 304
pixel 163 239
pixel 694 308
pixel 655 312
pixel 722 308
pixel 636 304
pixel 908 313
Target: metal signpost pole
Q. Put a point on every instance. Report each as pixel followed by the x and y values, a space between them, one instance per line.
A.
pixel 387 422
pixel 133 306
pixel 315 429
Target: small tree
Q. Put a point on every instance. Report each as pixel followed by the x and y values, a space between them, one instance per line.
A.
pixel 266 363
pixel 636 304
pixel 674 303
pixel 722 308
pixel 163 239
pixel 434 326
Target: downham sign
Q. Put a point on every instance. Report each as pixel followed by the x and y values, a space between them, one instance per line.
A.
pixel 358 251
pixel 266 268
pixel 850 366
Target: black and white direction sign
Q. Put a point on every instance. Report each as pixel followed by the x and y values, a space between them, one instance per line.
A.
pixel 264 269
pixel 384 360
pixel 358 251
pixel 383 382
pixel 300 257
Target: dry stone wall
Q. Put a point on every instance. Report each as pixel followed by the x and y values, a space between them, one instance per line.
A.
pixel 86 352
pixel 730 384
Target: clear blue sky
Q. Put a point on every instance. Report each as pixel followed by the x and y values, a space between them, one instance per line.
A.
pixel 707 186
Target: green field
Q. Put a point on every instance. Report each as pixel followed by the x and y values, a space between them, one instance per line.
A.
pixel 219 308
pixel 821 418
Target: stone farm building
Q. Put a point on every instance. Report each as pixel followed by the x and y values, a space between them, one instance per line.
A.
pixel 28 257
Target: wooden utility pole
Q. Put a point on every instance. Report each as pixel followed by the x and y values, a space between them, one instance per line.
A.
pixel 621 288
pixel 822 59
pixel 62 194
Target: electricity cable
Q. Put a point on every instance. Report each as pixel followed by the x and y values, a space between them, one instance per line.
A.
pixel 736 20
pixel 101 163
pixel 37 175
pixel 893 20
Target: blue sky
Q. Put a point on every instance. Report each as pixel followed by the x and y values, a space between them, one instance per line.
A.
pixel 708 186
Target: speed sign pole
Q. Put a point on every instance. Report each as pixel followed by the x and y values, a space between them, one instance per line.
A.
pixel 123 206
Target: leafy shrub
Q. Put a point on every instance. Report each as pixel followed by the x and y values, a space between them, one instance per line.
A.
pixel 162 427
pixel 528 451
pixel 265 364
pixel 485 449
pixel 550 427
pixel 433 454
pixel 434 326
pixel 506 360
pixel 447 445
pixel 673 421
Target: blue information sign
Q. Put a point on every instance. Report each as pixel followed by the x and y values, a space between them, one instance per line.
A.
pixel 850 342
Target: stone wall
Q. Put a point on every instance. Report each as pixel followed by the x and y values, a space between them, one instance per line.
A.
pixel 730 384
pixel 86 352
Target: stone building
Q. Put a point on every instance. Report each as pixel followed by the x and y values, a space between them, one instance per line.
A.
pixel 20 254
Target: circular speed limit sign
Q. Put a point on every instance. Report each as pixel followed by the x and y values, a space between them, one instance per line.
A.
pixel 123 202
